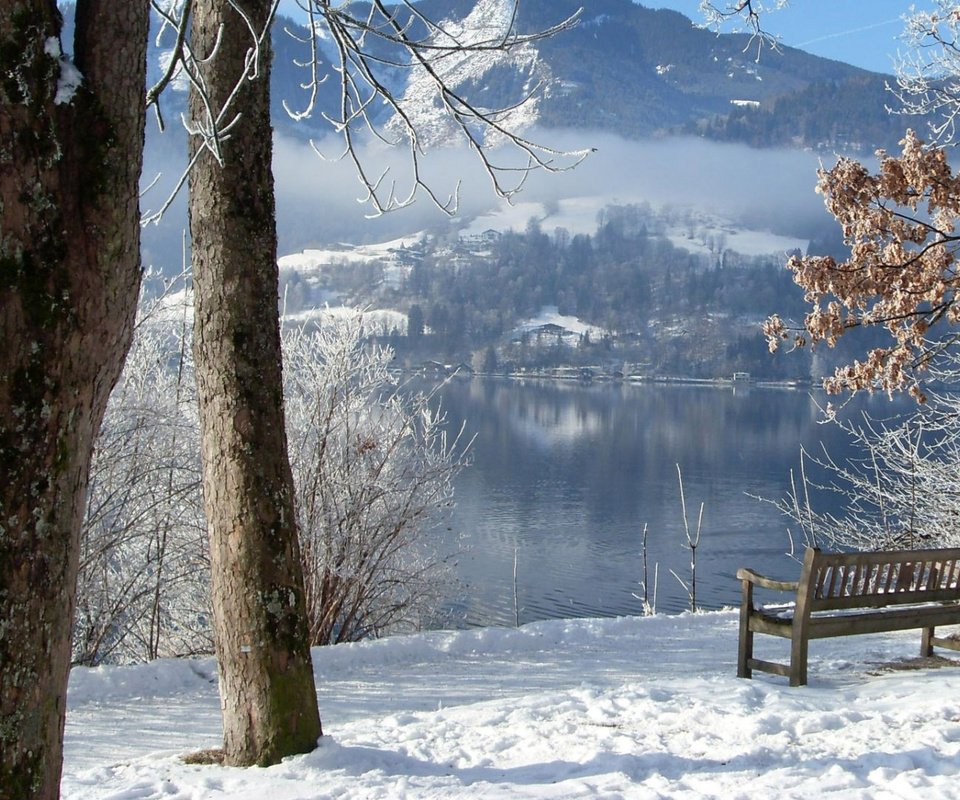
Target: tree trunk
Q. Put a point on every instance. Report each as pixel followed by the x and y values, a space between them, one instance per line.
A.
pixel 69 281
pixel 267 691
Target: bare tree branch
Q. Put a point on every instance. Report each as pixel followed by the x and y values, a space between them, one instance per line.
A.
pixel 216 127
pixel 370 50
pixel 928 73
pixel 749 13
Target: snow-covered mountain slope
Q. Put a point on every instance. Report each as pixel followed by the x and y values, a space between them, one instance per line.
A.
pixel 623 68
pixel 491 80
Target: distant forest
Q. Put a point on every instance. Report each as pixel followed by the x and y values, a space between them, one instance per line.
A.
pixel 657 309
pixel 849 115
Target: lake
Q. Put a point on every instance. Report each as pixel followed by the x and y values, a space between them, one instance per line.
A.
pixel 564 476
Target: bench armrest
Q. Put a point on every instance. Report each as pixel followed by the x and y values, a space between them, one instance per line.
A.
pixel 757 579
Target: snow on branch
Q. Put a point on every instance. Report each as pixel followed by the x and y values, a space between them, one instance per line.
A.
pixel 900 488
pixel 749 13
pixel 366 54
pixel 216 123
pixel 928 74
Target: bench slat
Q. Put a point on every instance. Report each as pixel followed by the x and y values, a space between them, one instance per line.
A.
pixel 885 600
pixel 887 556
pixel 883 621
pixel 949 644
pixel 949 570
pixel 874 587
pixel 861 575
pixel 772 626
pixel 818 587
pixel 833 582
pixel 888 584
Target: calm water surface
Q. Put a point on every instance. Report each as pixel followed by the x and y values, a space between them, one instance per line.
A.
pixel 565 475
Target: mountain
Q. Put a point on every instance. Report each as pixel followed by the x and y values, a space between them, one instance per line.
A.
pixel 624 69
pixel 639 72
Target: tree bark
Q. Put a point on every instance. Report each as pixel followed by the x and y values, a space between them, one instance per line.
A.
pixel 268 696
pixel 69 282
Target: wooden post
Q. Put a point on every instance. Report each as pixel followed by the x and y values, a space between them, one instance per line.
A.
pixel 799 643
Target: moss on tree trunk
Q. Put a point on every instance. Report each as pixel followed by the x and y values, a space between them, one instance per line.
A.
pixel 69 280
pixel 266 679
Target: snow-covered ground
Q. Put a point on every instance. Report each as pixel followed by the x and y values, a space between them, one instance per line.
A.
pixel 614 708
pixel 717 236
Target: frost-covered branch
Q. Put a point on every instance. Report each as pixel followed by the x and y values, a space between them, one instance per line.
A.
pixel 373 467
pixel 743 15
pixel 177 20
pixel 901 489
pixel 142 586
pixel 367 52
pixel 216 123
pixel 928 73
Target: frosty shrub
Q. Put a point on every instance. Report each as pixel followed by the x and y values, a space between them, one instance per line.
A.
pixel 143 580
pixel 900 490
pixel 373 467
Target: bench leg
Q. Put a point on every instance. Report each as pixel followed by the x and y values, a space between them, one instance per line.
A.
pixel 745 653
pixel 799 647
pixel 745 650
pixel 926 643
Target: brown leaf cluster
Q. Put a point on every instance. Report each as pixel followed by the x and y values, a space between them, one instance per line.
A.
pixel 899 224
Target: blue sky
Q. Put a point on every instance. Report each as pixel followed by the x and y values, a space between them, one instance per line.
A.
pixel 860 32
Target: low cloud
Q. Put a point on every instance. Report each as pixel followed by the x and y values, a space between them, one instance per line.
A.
pixel 319 200
pixel 767 189
pixel 771 189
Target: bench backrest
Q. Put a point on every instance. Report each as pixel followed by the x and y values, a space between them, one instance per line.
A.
pixel 832 581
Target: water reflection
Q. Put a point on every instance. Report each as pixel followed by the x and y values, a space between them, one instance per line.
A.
pixel 566 475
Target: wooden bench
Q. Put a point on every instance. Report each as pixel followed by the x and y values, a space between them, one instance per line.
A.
pixel 843 594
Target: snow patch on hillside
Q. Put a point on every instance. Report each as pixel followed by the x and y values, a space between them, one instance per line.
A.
pixel 550 316
pixel 701 232
pixel 378 321
pixel 316 259
pixel 489 23
pixel 714 237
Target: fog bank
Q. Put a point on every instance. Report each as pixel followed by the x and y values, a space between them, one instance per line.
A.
pixel 320 200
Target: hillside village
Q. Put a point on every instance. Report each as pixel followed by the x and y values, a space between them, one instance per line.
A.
pixel 651 294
